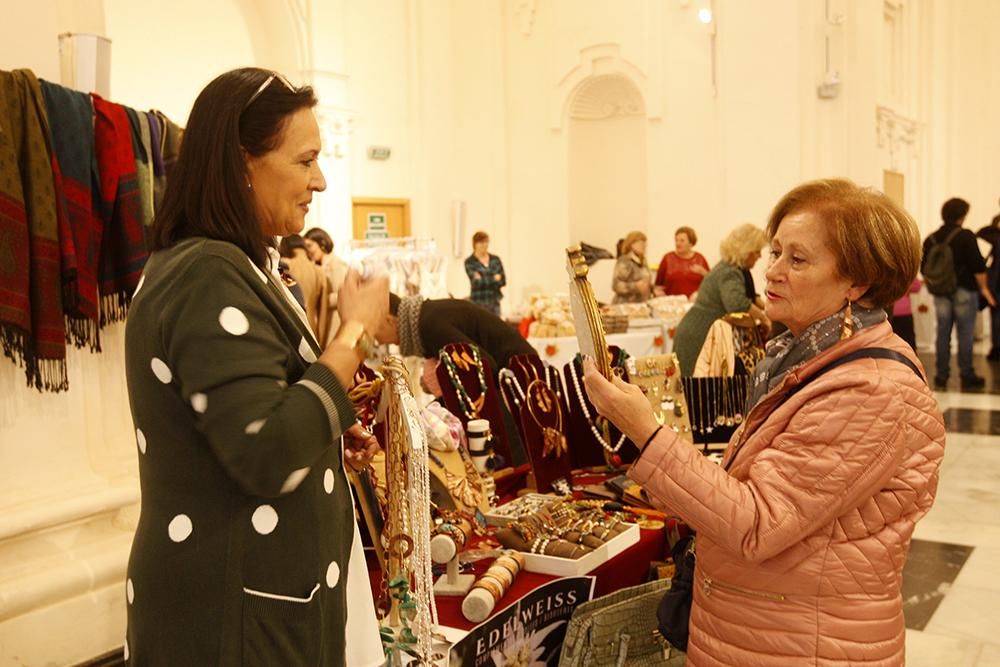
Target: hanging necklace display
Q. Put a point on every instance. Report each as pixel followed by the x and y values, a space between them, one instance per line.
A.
pixel 599 433
pixel 407 579
pixel 471 407
pixel 510 385
pixel 543 406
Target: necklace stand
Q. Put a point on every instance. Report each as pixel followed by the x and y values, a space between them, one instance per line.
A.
pixel 472 376
pixel 541 418
pixel 588 450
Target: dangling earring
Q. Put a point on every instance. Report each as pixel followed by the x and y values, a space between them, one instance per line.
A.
pixel 847 328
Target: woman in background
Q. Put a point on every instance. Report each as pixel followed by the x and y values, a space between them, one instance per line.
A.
pixel 681 271
pixel 723 291
pixel 319 245
pixel 486 274
pixel 631 282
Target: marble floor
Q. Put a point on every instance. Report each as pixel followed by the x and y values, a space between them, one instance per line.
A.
pixel 951 587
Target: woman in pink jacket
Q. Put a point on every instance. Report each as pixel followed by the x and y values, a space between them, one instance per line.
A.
pixel 802 533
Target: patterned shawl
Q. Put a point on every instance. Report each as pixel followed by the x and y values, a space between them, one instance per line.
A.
pixel 787 351
pixel 31 316
pixel 123 249
pixel 71 120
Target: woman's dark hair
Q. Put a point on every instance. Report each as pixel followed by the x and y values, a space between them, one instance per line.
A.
pixel 208 192
pixel 320 238
pixel 954 210
pixel 479 237
pixel 289 244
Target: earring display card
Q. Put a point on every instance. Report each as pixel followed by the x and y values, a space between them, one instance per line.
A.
pixel 659 379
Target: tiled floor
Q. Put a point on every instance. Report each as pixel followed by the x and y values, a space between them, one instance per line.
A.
pixel 954 621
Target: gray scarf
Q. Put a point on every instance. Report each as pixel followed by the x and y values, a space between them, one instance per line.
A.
pixel 408 314
pixel 787 351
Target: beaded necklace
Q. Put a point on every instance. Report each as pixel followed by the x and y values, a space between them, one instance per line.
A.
pixel 586 414
pixel 470 407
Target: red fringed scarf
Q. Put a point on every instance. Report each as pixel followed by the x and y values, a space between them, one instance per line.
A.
pixel 31 317
pixel 123 248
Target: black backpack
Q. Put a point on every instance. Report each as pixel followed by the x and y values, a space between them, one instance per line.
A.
pixel 939 266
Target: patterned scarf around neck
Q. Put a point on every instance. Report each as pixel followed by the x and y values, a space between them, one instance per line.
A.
pixel 787 351
pixel 408 326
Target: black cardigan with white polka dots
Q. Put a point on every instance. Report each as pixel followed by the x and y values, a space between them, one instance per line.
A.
pixel 247 520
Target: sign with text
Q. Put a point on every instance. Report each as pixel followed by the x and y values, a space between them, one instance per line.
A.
pixel 529 632
pixel 377 228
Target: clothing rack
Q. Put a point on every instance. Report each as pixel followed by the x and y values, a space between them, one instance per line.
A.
pixel 414 265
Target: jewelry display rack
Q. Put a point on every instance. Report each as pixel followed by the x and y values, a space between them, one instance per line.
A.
pixel 659 378
pixel 715 407
pixel 407 578
pixel 595 440
pixel 466 381
pixel 532 392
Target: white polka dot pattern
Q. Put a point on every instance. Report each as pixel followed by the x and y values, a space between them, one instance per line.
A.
pixel 140 439
pixel 161 371
pixel 305 349
pixel 180 528
pixel 138 287
pixel 332 574
pixel 199 402
pixel 328 481
pixel 129 591
pixel 234 321
pixel 264 519
pixel 294 480
pixel 254 427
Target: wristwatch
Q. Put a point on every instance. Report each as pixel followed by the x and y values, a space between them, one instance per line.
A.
pixel 352 334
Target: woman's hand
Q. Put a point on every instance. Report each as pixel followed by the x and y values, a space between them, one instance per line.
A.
pixel 365 301
pixel 360 446
pixel 620 402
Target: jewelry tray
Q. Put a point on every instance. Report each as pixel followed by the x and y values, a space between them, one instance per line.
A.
pixel 570 567
pixel 525 504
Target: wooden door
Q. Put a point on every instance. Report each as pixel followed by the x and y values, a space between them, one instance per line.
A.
pixel 892 185
pixel 377 218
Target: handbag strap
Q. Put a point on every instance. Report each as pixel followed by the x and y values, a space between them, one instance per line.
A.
pixel 863 353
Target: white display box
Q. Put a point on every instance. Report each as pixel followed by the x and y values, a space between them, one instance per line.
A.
pixel 525 504
pixel 569 567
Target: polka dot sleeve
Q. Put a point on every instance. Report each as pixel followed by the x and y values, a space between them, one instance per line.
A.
pixel 242 363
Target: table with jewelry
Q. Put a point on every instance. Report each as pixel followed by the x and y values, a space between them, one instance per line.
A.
pixel 651 338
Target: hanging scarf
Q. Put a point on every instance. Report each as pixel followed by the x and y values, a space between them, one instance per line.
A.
pixel 141 149
pixel 408 314
pixel 155 158
pixel 31 316
pixel 123 248
pixel 71 117
pixel 787 351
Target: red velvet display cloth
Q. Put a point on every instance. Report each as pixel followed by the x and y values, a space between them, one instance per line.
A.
pixel 628 568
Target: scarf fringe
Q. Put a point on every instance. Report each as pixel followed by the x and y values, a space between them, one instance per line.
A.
pixel 42 374
pixel 83 332
pixel 114 307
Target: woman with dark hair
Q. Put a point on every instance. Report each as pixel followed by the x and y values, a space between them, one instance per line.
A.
pixel 246 551
pixel 319 245
pixel 682 270
pixel 803 531
pixel 486 274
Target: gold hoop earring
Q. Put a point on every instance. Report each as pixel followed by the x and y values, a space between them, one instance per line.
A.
pixel 847 328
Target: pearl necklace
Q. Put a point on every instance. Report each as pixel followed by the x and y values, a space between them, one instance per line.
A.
pixel 586 414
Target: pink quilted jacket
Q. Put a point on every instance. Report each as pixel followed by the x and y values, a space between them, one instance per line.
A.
pixel 801 545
